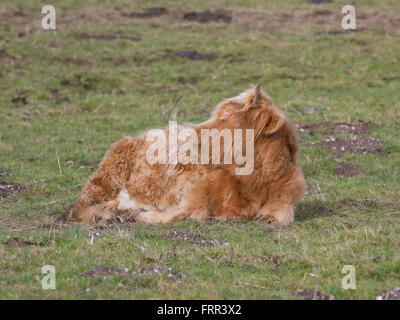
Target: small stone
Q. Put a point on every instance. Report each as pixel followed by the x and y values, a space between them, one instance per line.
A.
pixel 309 109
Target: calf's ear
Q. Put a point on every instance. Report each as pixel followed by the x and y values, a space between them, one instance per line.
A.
pixel 274 122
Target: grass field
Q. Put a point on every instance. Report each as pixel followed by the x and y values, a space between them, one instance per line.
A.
pixel 67 94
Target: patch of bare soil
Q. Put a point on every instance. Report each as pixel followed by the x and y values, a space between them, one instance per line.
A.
pixel 309 109
pixel 314 295
pixel 5 57
pixel 347 170
pixel 303 77
pixel 105 271
pixel 191 55
pixel 193 238
pixel 108 37
pixel 20 99
pixel 57 97
pixel 303 21
pixel 87 164
pixel 21 242
pixel 19 13
pixel 149 13
pixel 7 188
pixel 354 145
pixel 155 269
pixel 360 127
pixel 319 1
pixel 336 32
pixel 80 81
pixel 76 61
pixel 325 211
pixel 208 16
pixel 389 79
pixel 391 294
pixel 310 128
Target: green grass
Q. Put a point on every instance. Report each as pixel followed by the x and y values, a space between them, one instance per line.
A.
pixel 118 88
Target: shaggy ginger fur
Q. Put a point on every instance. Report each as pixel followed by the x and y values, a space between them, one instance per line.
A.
pixel 126 181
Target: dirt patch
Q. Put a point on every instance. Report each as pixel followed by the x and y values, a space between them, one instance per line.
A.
pixel 208 16
pixel 314 295
pixel 4 54
pixel 21 242
pixel 311 128
pixel 285 76
pixel 389 79
pixel 108 37
pixel 19 14
pixel 80 81
pixel 117 60
pixel 7 188
pixel 355 145
pixel 57 97
pixel 5 57
pixel 191 237
pixel 391 294
pixel 309 109
pixel 325 211
pixel 87 164
pixel 20 99
pixel 347 171
pixel 336 32
pixel 105 271
pixel 76 61
pixel 191 55
pixel 319 1
pixel 276 261
pixel 360 127
pixel 149 13
pixel 303 21
pixel 155 269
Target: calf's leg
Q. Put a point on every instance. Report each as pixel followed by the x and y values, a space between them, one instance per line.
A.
pixel 284 194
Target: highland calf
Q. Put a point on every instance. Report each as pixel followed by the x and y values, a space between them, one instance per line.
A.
pixel 164 192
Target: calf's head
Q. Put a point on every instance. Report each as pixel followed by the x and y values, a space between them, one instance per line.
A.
pixel 253 109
